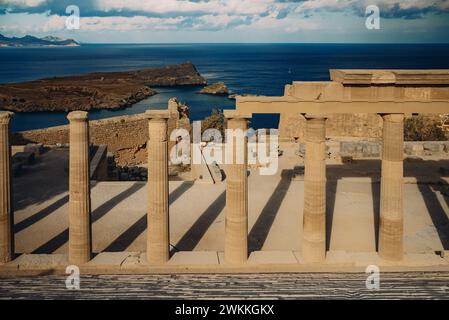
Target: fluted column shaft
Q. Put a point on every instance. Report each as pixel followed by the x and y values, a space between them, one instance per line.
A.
pixel 314 217
pixel 158 232
pixel 6 218
pixel 236 227
pixel 80 235
pixel 391 194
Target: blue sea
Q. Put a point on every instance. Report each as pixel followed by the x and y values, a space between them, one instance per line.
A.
pixel 245 68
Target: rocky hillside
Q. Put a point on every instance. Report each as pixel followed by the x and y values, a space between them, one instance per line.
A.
pixel 104 90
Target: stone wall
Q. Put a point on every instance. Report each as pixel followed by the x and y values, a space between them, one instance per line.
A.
pixel 292 126
pixel 359 125
pixel 126 136
pixel 373 149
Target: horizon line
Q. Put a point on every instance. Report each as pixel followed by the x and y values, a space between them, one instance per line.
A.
pixel 363 43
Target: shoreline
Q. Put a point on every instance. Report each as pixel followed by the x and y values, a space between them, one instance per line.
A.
pixel 95 91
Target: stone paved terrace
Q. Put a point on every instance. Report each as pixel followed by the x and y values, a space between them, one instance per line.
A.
pixel 275 213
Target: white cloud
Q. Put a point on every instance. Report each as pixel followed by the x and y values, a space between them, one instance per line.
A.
pixel 288 25
pixel 23 3
pixel 235 7
pixel 387 5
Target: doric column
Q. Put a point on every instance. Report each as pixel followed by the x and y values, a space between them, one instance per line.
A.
pixel 6 218
pixel 158 231
pixel 80 236
pixel 391 194
pixel 314 217
pixel 236 227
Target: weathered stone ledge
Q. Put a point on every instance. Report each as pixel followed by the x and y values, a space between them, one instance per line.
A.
pixel 212 261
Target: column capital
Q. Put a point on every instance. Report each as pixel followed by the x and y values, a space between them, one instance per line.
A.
pixel 5 116
pixel 157 114
pixel 77 116
pixel 235 114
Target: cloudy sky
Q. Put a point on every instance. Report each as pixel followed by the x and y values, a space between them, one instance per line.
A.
pixel 174 21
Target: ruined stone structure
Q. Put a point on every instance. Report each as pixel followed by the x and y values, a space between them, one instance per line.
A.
pixel 390 94
pixel 404 84
pixel 125 136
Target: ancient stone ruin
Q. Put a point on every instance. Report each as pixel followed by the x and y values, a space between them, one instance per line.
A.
pixel 385 95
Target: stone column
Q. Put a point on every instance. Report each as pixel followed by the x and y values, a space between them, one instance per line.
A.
pixel 314 216
pixel 158 231
pixel 80 235
pixel 236 227
pixel 391 194
pixel 6 218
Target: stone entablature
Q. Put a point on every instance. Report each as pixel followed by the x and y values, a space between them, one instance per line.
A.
pixel 390 77
pixel 363 85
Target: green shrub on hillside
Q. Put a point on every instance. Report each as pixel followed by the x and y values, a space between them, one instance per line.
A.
pixel 421 128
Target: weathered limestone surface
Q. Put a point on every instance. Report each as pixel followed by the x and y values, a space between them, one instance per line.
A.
pixel 158 232
pixel 125 136
pixel 370 85
pixel 80 234
pixel 314 218
pixel 6 218
pixel 292 126
pixel 236 229
pixel 391 194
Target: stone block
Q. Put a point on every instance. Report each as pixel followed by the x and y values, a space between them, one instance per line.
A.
pixel 272 257
pixel 194 257
pixel 40 261
pixel 433 147
pixel 417 150
pixel 109 259
pixel 361 149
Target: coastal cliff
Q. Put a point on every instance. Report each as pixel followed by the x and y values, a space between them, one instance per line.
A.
pixel 102 90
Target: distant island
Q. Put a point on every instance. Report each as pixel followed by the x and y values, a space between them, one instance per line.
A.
pixel 101 90
pixel 30 41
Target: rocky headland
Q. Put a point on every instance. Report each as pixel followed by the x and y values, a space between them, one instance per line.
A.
pixel 30 41
pixel 102 90
pixel 219 89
